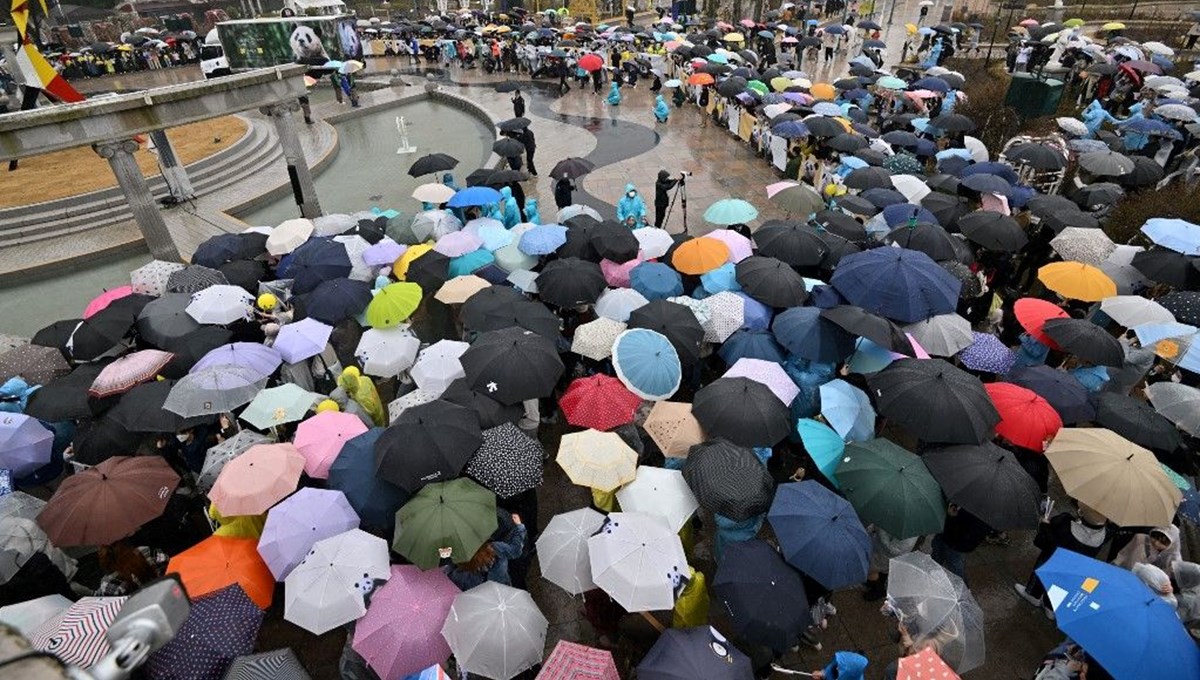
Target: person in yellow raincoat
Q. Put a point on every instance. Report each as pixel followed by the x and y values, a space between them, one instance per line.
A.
pixel 362 390
pixel 691 607
pixel 242 526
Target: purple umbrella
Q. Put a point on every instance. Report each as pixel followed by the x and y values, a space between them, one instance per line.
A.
pixel 222 626
pixel 259 358
pixel 386 252
pixel 293 526
pixel 402 630
pixel 987 353
pixel 302 339
pixel 24 444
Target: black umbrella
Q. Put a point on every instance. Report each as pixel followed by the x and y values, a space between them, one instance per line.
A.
pixel 881 198
pixel 744 411
pixel 877 329
pixel 245 274
pixel 675 321
pixel 806 334
pixel 694 653
pixel 513 124
pixel 944 184
pixel 934 400
pixel 731 87
pixel 66 398
pixel 728 479
pixel 166 319
pixel 1044 204
pixel 763 595
pixel 1039 156
pixel 988 482
pixel 1064 392
pixel 824 126
pixel 96 441
pixel 429 271
pixel 1062 219
pixel 857 205
pixel 571 168
pixel 1106 163
pixel 930 239
pixel 141 410
pixel 502 176
pixel 570 282
pixel 1100 193
pixel 985 183
pixel 953 122
pixel 338 299
pixel 1146 172
pixel 791 243
pixel 1086 340
pixel 771 282
pixel 1184 304
pixel 512 365
pixel 847 143
pixel 194 278
pixel 579 239
pixel 869 178
pixel 614 242
pixel 491 412
pixel 224 248
pixel 838 223
pixel 1169 267
pixel 1136 421
pixel 431 163
pixel 508 148
pixel 900 138
pixel 993 230
pixel 499 307
pixel 190 348
pixel 508 461
pixel 428 443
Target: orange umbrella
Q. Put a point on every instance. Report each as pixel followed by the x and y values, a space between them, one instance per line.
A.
pixel 220 561
pixel 823 91
pixel 700 255
pixel 1077 281
pixel 701 79
pixel 259 478
pixel 400 267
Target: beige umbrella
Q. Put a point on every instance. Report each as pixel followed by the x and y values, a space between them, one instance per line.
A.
pixel 599 460
pixel 460 289
pixel 289 235
pixel 1116 477
pixel 595 339
pixel 673 428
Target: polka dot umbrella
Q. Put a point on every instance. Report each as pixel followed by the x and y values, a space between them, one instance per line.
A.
pixel 221 626
pixel 508 461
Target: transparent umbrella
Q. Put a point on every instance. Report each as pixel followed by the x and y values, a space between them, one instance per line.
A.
pixel 936 607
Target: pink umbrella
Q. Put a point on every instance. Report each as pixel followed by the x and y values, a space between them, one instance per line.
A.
pixel 130 370
pixel 739 246
pixel 457 243
pixel 617 275
pixel 320 439
pixel 259 478
pixel 105 299
pixel 777 187
pixel 402 630
pixel 768 373
pixel 572 660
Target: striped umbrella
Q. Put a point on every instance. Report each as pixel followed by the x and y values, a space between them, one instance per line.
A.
pixel 571 661
pixel 221 626
pixel 77 635
pixel 279 664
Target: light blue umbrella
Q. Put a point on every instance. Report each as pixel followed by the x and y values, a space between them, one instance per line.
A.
pixel 721 279
pixel 730 211
pixel 717 59
pixel 848 410
pixel 1178 235
pixel 471 262
pixel 647 363
pixel 278 405
pixel 495 236
pixel 472 196
pixel 869 357
pixel 827 109
pixel 543 239
pixel 656 281
pixel 824 446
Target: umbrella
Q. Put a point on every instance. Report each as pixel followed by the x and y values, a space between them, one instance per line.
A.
pixel 1177 402
pixel 659 492
pixel 924 664
pixel 274 406
pixel 1167 266
pixel 728 479
pixel 77 635
pixel 28 616
pixel 326 589
pixel 673 428
pixel 1085 340
pixel 1077 281
pixel 938 402
pixel 730 211
pixel 219 389
pixel 151 278
pixel 599 402
pixel 570 282
pixel 943 335
pixel 673 321
pixel 638 560
pixel 892 488
pixel 647 363
pixel 165 320
pixel 1135 420
pixel 20 540
pixel 508 462
pixel 108 502
pixel 655 281
pixel 805 333
pixel 286 237
pixel 904 285
pixel 353 473
pixel 1176 234
pixel 598 460
pixel 993 230
pixel 572 660
pixel 221 304
pixel 337 299
pixel 385 352
pixel 435 193
pixel 458 514
pixel 225 451
pixel 571 168
pixel 221 561
pixel 1090 246
pixel 431 163
pixel 393 304
pixel 25 445
pixel 260 359
pixel 764 597
pixel 428 442
pixel 280 664
pixel 771 282
pixel 477 196
pixel 700 255
pixel 36 364
pixel 1117 478
pixel 302 339
pixel 742 410
pixel 1064 392
pixel 1135 310
pixel 820 534
pixel 1033 314
pixel 495 631
pixel 1026 419
pixel 798 199
pixel 66 398
pixel 1106 163
pixel 257 479
pixel 221 625
pixel 563 552
pixel 848 410
pixel 1039 156
pixel 512 365
pixel 934 604
pixel 988 482
pixel 401 632
pixel 194 279
pixel 302 519
pixel 699 652
pixel 721 315
pixel 543 239
pixel 618 303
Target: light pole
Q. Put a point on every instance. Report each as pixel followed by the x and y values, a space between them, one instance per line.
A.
pixel 1012 7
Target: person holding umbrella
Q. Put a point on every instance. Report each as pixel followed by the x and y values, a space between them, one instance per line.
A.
pixel 563 188
pixel 1083 534
pixel 490 562
pixel 528 140
pixel 962 534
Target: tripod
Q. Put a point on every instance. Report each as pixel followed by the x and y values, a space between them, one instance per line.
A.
pixel 681 195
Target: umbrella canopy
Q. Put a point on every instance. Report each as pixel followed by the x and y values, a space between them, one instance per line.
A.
pixel 599 402
pixel 1064 392
pixel 25 444
pixel 220 561
pixel 598 460
pixel 771 282
pixel 563 552
pixel 280 664
pixel 743 411
pixel 458 514
pixel 1077 281
pixel 495 631
pixel 326 589
pixel 570 282
pixel 302 339
pixel 848 410
pixel 259 478
pixel 66 398
pixel 638 560
pixel 1135 310
pixel 108 502
pixel 673 428
pixel 302 519
pixel 660 492
pixel 988 482
pixel 820 534
pixel 353 473
pixel 892 488
pixel 1085 340
pixel 904 285
pixel 943 335
pixel 1026 419
pixel 572 660
pixel 1135 420
pixel 675 322
pixel 401 633
pixel 218 389
pixel 1179 403
pixel 764 597
pixel 76 636
pixel 220 627
pixel 699 652
pixel 700 255
pixel 274 406
pixel 805 333
pixel 512 365
pixel 259 358
pixel 428 442
pixel 127 371
pixel 935 400
pixel 1117 478
pixel 993 230
pixel 393 304
pixel 508 462
pixel 320 439
pixel 933 604
pixel 728 479
pixel 225 451
pixel 647 363
pixel 38 365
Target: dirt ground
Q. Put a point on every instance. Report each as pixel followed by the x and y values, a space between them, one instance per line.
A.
pixel 76 171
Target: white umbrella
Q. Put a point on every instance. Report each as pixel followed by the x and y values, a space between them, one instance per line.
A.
pixel 595 339
pixel 524 281
pixel 618 303
pixel 654 242
pixel 1135 310
pixel 439 365
pixel 943 335
pixel 913 187
pixel 574 211
pixel 434 192
pixel 289 235
pixel 414 398
pixel 495 631
pixel 326 590
pixel 332 225
pixel 1158 48
pixel 1178 403
pixel 977 148
pixel 221 305
pixel 431 224
pixel 385 352
pixel 1072 126
pixel 727 313
pixel 28 616
pixel 562 549
pixel 659 492
pixel 355 247
pixel 151 278
pixel 21 539
pixel 638 561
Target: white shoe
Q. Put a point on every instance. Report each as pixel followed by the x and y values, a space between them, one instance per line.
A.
pixel 1020 588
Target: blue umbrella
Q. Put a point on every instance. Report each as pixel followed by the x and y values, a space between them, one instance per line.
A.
pixel 900 284
pixel 823 445
pixel 882 198
pixel 1120 622
pixel 1178 235
pixel 764 597
pixel 694 653
pixel 221 626
pixel 1001 170
pixel 353 473
pixel 755 314
pixel 901 214
pixel 931 83
pixel 987 353
pixel 746 343
pixel 471 262
pixel 869 357
pixel 790 129
pixel 656 281
pixel 335 300
pixel 721 279
pixel 472 196
pixel 835 29
pixel 806 334
pixel 647 363
pixel 986 183
pixel 848 410
pixel 543 239
pixel 316 260
pixel 1149 126
pixel 1189 508
pixel 1064 391
pixel 820 534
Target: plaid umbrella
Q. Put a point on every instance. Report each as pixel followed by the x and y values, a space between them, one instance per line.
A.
pixel 507 462
pixel 594 339
pixel 109 501
pixel 36 364
pixel 129 370
pixel 77 635
pixel 221 626
pixel 728 479
pixel 402 630
pixel 987 353
pixel 599 402
pixel 572 661
pixel 216 457
pixel 151 279
pixel 280 664
pixel 194 278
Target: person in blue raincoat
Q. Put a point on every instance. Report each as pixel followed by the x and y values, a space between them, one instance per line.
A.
pixel 532 215
pixel 14 395
pixel 631 209
pixel 661 111
pixel 844 666
pixel 448 180
pixel 1134 140
pixel 510 213
pixel 614 95
pixel 935 53
pixel 1094 116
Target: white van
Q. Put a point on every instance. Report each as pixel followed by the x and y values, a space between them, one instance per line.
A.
pixel 213 63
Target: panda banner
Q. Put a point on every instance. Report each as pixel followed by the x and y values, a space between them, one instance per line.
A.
pixel 262 43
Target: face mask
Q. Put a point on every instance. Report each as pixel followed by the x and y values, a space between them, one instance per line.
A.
pixel 181 437
pixel 631 194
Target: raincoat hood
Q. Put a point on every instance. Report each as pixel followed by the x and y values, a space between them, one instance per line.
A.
pixel 663 174
pixel 505 193
pixel 629 188
pixel 1187 575
pixel 849 666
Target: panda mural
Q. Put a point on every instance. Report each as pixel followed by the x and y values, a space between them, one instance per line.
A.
pixel 306 45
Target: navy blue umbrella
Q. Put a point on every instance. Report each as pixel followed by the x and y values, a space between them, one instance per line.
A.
pixel 753 344
pixel 335 300
pixel 353 473
pixel 1001 170
pixel 694 653
pixel 806 334
pixel 820 534
pixel 221 626
pixel 902 214
pixel 882 198
pixel 225 248
pixel 1065 393
pixel 985 183
pixel 903 285
pixel 316 260
pixel 763 596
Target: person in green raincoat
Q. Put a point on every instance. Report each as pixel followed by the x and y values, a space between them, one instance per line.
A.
pixel 691 607
pixel 362 390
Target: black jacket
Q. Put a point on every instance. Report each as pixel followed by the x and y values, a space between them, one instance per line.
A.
pixel 663 187
pixel 562 192
pixel 518 106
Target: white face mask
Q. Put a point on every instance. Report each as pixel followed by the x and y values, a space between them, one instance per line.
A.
pixel 631 194
pixel 182 437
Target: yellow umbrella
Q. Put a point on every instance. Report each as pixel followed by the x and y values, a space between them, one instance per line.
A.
pixel 460 289
pixel 910 28
pixel 599 460
pixel 1114 476
pixel 1073 23
pixel 393 304
pixel 1077 281
pixel 823 91
pixel 780 84
pixel 1112 26
pixel 734 37
pixel 400 268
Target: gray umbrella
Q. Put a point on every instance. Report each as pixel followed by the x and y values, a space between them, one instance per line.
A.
pixel 495 630
pixel 1106 163
pixel 193 279
pixel 943 335
pixel 166 319
pixel 1090 246
pixel 219 389
pixel 280 664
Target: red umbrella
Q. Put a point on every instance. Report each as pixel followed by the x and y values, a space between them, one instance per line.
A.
pixel 600 402
pixel 108 502
pixel 1033 313
pixel 591 62
pixel 1026 419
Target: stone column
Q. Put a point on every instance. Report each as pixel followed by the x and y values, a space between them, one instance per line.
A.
pixel 137 194
pixel 284 116
pixel 173 172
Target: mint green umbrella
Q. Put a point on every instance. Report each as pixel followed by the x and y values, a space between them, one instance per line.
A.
pixel 891 83
pixel 278 405
pixel 458 514
pixel 730 211
pixel 891 488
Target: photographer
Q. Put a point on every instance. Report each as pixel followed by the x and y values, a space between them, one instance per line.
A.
pixel 662 195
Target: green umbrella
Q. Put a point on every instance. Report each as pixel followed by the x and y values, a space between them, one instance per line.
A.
pixel 730 211
pixel 758 86
pixel 458 514
pixel 891 83
pixel 892 488
pixel 278 405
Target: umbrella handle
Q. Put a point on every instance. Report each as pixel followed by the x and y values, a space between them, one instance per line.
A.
pixel 787 671
pixel 653 621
